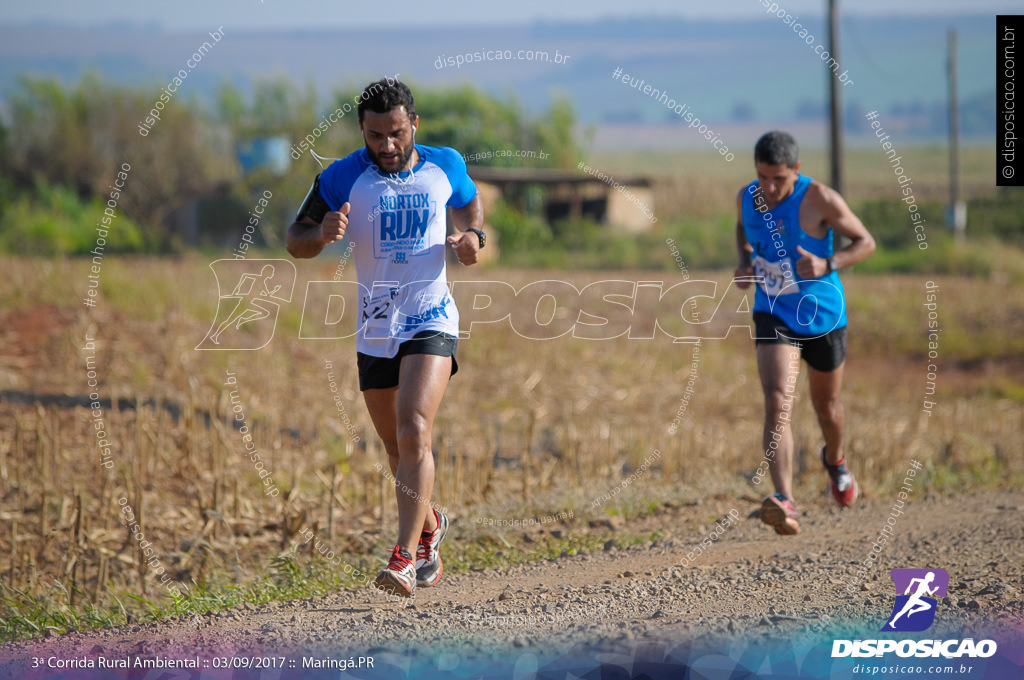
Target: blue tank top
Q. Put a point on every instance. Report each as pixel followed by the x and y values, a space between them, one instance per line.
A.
pixel 809 307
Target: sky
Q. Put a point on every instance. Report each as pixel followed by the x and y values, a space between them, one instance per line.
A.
pixel 282 14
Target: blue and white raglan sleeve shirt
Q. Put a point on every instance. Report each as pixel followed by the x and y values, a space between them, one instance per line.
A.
pixel 397 225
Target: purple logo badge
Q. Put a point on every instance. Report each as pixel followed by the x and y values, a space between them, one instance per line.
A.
pixel 917 591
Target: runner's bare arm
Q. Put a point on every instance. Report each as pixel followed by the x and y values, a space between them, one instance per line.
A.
pixel 836 213
pixel 743 248
pixel 465 243
pixel 306 238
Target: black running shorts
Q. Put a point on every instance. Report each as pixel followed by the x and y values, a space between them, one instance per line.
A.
pixel 379 373
pixel 823 353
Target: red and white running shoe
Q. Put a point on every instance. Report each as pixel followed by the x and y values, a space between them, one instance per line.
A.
pixel 779 513
pixel 428 559
pixel 399 577
pixel 844 486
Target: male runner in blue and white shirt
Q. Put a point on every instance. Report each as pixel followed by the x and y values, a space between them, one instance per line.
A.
pixel 391 199
pixel 784 234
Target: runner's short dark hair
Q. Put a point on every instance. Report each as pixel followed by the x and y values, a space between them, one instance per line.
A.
pixel 776 148
pixel 383 96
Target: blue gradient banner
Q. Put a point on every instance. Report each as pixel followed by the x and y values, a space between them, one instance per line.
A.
pixel 797 657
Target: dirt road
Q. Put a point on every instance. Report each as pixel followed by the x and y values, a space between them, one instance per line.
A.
pixel 749 597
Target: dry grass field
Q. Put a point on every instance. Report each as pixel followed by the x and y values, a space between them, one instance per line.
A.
pixel 529 428
pixel 703 186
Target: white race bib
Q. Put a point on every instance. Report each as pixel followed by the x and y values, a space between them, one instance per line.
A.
pixel 776 278
pixel 375 313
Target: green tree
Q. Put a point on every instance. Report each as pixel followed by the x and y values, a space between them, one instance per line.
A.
pixel 80 136
pixel 475 122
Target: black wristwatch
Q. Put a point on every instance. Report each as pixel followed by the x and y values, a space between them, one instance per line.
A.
pixel 481 235
pixel 831 262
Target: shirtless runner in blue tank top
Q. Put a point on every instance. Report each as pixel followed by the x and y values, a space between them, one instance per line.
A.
pixel 784 235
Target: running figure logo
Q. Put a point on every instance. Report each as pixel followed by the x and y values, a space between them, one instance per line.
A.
pixel 915 608
pixel 247 316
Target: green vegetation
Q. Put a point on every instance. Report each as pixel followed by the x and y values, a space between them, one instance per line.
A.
pixel 528 241
pixel 289 575
pixel 61 141
pixel 61 146
pixel 694 199
pixel 695 194
pixel 58 222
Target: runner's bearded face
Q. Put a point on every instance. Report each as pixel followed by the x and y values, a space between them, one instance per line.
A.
pixel 777 181
pixel 390 139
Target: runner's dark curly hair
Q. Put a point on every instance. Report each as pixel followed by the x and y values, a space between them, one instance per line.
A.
pixel 383 96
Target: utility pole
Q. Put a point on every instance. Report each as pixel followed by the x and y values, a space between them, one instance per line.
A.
pixel 956 216
pixel 835 106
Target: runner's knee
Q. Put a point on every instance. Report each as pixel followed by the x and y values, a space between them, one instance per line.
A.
pixel 414 433
pixel 777 402
pixel 827 409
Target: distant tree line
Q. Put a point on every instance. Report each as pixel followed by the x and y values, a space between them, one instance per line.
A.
pixel 61 143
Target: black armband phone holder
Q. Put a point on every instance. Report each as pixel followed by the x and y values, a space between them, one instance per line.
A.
pixel 314 206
